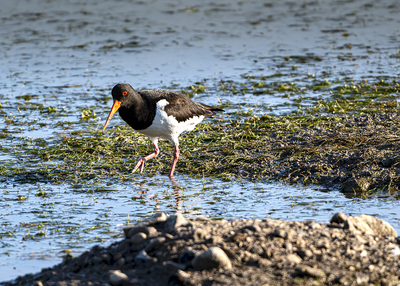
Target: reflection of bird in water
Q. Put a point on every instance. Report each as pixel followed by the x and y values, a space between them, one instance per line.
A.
pixel 143 193
pixel 158 114
pixel 178 199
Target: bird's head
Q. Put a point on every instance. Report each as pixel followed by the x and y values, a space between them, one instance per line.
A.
pixel 121 94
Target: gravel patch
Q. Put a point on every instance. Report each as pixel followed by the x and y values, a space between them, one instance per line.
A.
pixel 175 250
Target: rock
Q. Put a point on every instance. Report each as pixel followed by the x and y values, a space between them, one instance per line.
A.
pixel 152 231
pixel 360 239
pixel 138 238
pixel 263 262
pixel 314 225
pixel 339 218
pixel 116 277
pixel 371 267
pixel 231 254
pixel 216 239
pixel 346 280
pixel 257 249
pixel 325 233
pixel 281 233
pixel 199 235
pixel 38 283
pixel 202 218
pixel 120 262
pixel 97 260
pixel 250 258
pixel 170 267
pixel 169 236
pixel 313 272
pixel 363 254
pixel 186 256
pixel 370 225
pixel 395 250
pixel 285 233
pixel 143 259
pixel 362 279
pixel 288 246
pixel 253 228
pixel 155 243
pixel 294 258
pixel 179 278
pixel 214 257
pixel 239 236
pixel 117 256
pixel 158 218
pixel 175 221
pixel 106 258
pixel 182 275
pixel 129 258
pixel 131 231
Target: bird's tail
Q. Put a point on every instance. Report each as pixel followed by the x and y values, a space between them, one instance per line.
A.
pixel 212 109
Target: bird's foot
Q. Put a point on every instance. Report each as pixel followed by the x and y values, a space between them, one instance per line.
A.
pixel 140 164
pixel 173 181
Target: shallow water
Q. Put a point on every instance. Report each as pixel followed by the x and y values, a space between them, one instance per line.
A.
pixel 58 61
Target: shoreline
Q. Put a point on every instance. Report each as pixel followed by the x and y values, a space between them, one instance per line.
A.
pixel 172 250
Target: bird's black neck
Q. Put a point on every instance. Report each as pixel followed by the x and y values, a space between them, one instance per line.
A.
pixel 137 111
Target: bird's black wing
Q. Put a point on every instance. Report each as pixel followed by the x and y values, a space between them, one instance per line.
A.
pixel 179 106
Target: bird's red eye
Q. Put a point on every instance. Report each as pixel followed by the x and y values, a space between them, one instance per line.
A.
pixel 124 92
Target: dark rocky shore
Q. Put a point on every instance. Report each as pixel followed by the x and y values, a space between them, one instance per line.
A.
pixel 172 250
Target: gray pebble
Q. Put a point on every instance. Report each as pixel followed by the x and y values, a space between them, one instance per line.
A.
pixel 370 225
pixel 294 258
pixel 143 259
pixel 120 262
pixel 199 235
pixel 214 257
pixel 175 221
pixel 304 253
pixel 170 267
pixel 129 258
pixel 253 228
pixel 257 249
pixel 138 238
pixel 152 231
pixel 182 275
pixel 116 277
pixel 362 279
pixel 131 231
pixel 339 218
pixel 155 243
pixel 186 256
pixel 288 246
pixel 313 272
pixel 159 218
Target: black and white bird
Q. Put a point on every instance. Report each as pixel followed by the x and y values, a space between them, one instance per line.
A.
pixel 158 114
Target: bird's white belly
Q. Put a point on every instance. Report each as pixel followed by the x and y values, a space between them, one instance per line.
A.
pixel 167 127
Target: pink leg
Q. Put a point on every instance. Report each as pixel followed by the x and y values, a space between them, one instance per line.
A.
pixel 144 159
pixel 176 156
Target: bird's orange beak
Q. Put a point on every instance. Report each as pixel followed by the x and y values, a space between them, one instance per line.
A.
pixel 114 109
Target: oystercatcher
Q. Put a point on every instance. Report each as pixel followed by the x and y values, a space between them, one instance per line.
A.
pixel 158 114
